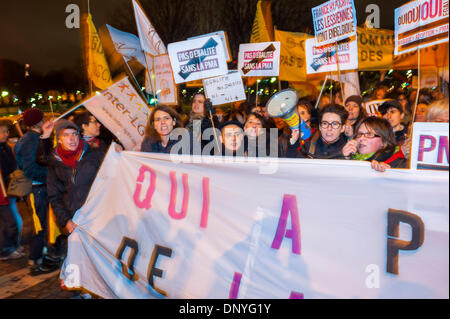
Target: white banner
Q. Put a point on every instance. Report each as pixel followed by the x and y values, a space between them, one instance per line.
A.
pixel 197 59
pixel 225 89
pixel 122 111
pixel 166 89
pixel 420 24
pixel 150 40
pixel 127 44
pixel 152 227
pixel 430 149
pixel 323 58
pixel 334 20
pixel 259 59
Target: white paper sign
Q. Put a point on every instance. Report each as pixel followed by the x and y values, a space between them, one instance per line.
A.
pixel 259 59
pixel 225 89
pixel 122 111
pixel 420 24
pixel 372 107
pixel 334 20
pixel 197 59
pixel 430 149
pixel 223 37
pixel 323 58
pixel 166 89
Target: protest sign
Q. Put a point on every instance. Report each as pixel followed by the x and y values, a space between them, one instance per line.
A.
pixel 292 56
pixel 430 149
pixel 122 111
pixel 334 20
pixel 419 24
pixel 197 59
pixel 372 107
pixel 223 37
pixel 323 58
pixel 156 228
pixel 166 89
pixel 259 59
pixel 225 88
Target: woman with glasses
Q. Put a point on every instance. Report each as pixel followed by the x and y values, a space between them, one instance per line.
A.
pixel 327 143
pixel 375 142
pixel 159 131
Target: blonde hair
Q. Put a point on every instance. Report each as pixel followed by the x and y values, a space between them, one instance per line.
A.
pixel 436 109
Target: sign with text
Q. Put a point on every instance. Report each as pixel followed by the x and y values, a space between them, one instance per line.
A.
pixel 197 59
pixel 166 89
pixel 152 227
pixel 324 59
pixel 334 20
pixel 122 111
pixel 419 24
pixel 223 37
pixel 259 59
pixel 225 88
pixel 430 148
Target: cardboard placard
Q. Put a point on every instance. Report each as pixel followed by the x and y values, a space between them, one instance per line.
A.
pixel 259 59
pixel 225 89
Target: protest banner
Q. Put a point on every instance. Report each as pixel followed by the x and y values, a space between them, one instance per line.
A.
pixel 122 111
pixel 262 29
pixel 334 20
pixel 323 59
pixel 259 59
pixel 141 234
pixel 223 37
pixel 419 24
pixel 430 149
pixel 127 44
pixel 292 55
pixel 225 89
pixel 372 107
pixel 197 59
pixel 166 89
pixel 98 70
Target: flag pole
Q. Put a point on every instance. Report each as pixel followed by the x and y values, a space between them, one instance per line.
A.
pixel 418 85
pixel 339 72
pixel 321 91
pixel 135 80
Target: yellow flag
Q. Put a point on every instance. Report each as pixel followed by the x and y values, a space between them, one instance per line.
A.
pixel 98 70
pixel 262 30
pixel 376 52
pixel 36 222
pixel 292 56
pixel 53 229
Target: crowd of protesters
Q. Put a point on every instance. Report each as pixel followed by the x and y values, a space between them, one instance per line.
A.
pixel 61 159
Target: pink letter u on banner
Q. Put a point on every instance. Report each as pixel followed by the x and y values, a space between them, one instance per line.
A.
pixel 173 196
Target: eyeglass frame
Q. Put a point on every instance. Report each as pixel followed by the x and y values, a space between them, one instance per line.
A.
pixel 330 124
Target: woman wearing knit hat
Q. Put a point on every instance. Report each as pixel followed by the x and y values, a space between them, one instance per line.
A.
pixel 356 113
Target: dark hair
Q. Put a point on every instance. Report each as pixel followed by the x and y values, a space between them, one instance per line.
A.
pixel 6 122
pixel 382 128
pixel 150 131
pixel 334 108
pixel 82 118
pixel 192 101
pixel 307 103
pixel 259 117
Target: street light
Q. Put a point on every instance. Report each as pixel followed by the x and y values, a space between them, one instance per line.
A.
pixel 5 93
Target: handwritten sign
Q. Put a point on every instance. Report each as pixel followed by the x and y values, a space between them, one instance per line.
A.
pixel 166 89
pixel 197 59
pixel 259 59
pixel 225 89
pixel 334 20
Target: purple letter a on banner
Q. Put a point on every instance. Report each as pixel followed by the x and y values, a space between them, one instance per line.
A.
pixel 289 205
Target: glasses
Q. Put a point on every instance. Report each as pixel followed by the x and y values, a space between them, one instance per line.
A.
pixel 366 135
pixel 334 125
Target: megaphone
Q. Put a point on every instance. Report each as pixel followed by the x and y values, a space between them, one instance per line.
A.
pixel 282 105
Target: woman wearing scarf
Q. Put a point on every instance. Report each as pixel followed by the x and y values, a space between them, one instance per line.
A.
pixel 375 142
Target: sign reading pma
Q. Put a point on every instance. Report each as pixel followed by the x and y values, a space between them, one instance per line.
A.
pixel 334 20
pixel 197 59
pixel 430 149
pixel 259 59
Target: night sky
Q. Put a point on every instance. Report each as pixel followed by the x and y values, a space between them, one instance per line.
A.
pixel 34 31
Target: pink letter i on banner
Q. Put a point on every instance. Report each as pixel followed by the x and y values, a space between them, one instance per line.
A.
pixel 234 290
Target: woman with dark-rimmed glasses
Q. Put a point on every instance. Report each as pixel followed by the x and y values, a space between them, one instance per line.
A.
pixel 375 142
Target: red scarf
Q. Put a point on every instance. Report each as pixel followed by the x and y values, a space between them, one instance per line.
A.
pixel 71 158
